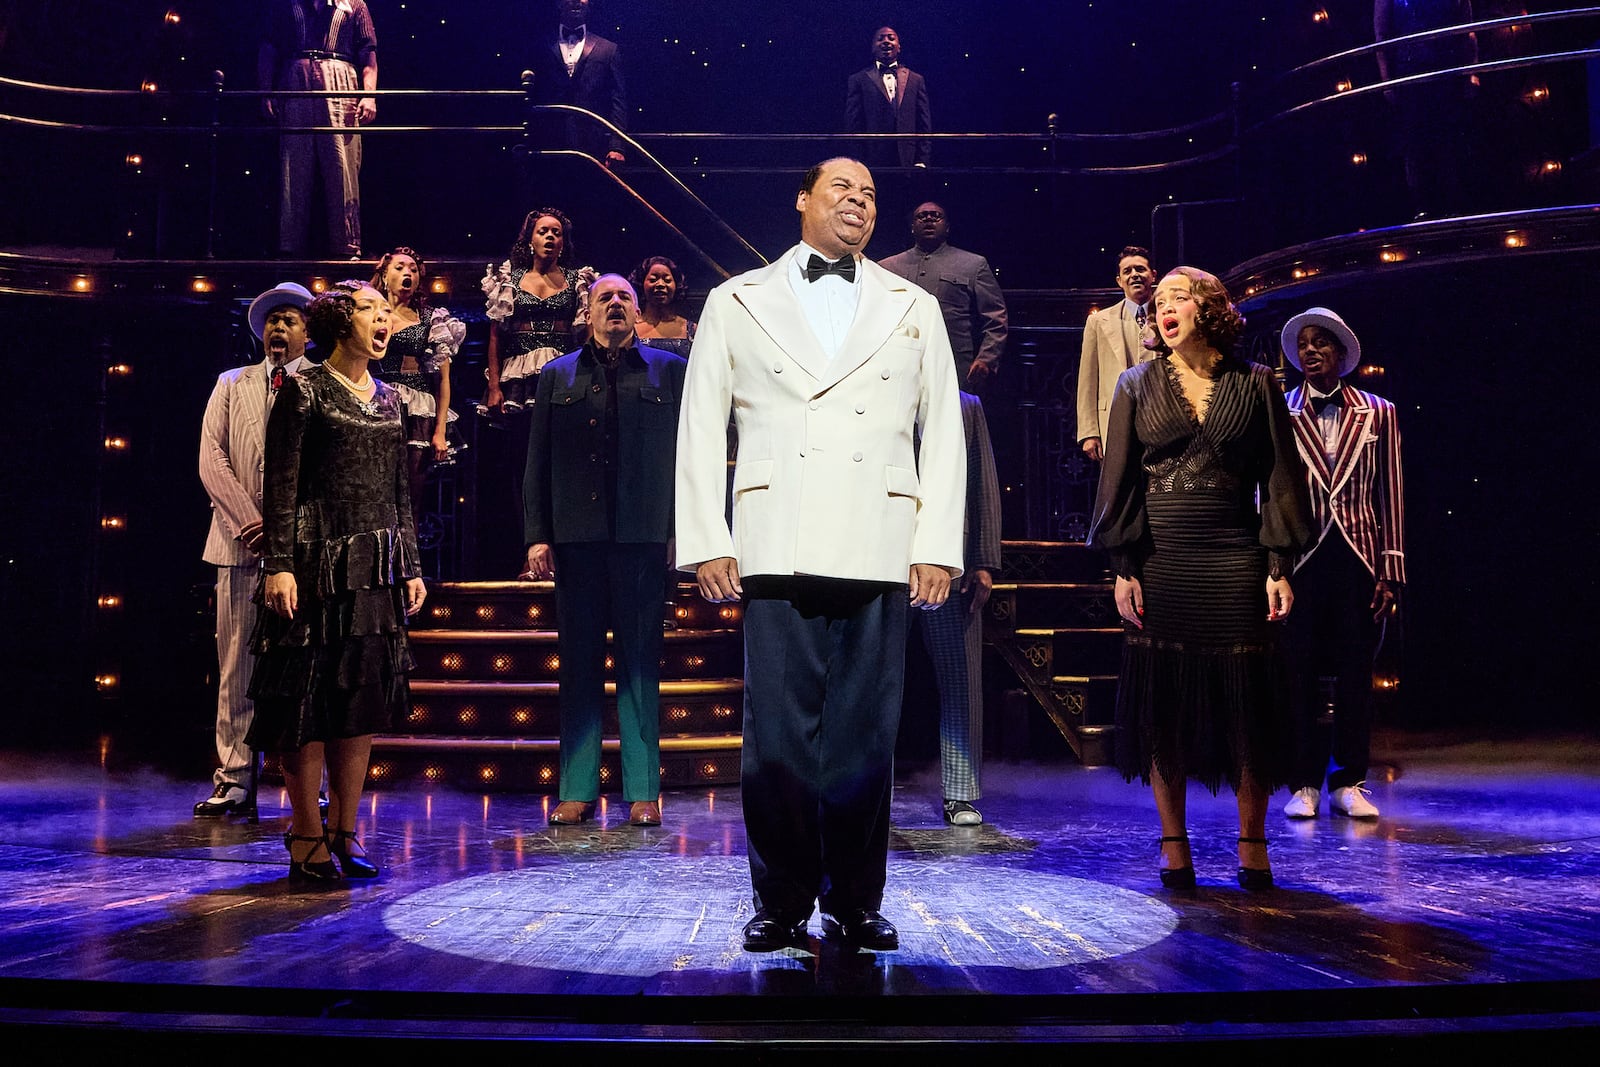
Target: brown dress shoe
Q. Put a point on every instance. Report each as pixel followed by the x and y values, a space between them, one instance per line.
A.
pixel 644 813
pixel 571 812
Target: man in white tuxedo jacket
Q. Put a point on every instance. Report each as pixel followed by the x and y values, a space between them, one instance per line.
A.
pixel 832 367
pixel 232 441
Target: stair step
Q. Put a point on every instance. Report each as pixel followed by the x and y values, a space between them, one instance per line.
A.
pixel 509 764
pixel 533 709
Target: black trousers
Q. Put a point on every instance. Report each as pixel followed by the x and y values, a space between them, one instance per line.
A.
pixel 1330 631
pixel 824 675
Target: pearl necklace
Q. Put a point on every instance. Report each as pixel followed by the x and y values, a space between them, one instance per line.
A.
pixel 359 389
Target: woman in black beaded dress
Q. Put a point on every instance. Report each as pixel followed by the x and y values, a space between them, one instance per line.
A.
pixel 539 306
pixel 538 309
pixel 1202 505
pixel 341 574
pixel 422 343
pixel 659 283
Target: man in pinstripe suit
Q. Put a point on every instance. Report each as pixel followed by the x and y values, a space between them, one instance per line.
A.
pixel 1348 585
pixel 953 632
pixel 232 442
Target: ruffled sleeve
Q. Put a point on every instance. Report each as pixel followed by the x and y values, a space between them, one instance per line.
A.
pixel 1287 526
pixel 583 279
pixel 1119 525
pixel 445 334
pixel 286 430
pixel 500 296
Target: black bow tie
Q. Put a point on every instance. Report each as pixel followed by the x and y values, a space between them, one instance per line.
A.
pixel 886 69
pixel 1320 403
pixel 845 268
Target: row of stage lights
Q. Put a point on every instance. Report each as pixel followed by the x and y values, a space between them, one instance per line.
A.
pixel 524 715
pixel 381 772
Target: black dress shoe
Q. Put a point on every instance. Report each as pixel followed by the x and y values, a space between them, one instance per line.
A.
pixel 767 933
pixel 863 928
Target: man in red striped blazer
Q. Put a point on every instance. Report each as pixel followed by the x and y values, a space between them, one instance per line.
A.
pixel 1348 585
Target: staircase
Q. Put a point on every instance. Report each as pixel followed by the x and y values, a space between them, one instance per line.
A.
pixel 485 712
pixel 1053 621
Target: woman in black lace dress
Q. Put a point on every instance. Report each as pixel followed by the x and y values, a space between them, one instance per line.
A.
pixel 422 343
pixel 341 575
pixel 1195 437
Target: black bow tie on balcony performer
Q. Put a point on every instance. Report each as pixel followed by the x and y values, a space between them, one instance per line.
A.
pixel 1320 403
pixel 845 268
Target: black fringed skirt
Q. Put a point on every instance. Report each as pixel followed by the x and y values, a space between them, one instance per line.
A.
pixel 1203 692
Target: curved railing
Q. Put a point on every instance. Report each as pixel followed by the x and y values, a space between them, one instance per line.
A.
pixel 1253 114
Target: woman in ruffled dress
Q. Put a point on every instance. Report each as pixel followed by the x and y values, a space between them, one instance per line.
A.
pixel 659 283
pixel 341 575
pixel 422 342
pixel 539 307
pixel 1203 507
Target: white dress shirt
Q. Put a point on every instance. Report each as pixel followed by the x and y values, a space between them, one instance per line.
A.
pixel 1327 419
pixel 571 52
pixel 829 302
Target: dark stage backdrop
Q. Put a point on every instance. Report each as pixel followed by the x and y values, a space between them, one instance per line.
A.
pixel 1499 623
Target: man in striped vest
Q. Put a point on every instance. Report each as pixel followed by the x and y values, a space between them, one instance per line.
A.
pixel 1347 587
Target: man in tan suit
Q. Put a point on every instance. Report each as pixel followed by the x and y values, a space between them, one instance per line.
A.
pixel 831 366
pixel 1112 342
pixel 232 441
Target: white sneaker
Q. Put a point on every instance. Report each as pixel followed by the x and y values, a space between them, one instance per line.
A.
pixel 1351 800
pixel 1303 804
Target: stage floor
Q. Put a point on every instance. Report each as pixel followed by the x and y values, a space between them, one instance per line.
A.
pixel 1483 873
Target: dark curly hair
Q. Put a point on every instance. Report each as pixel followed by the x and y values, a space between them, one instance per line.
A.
pixel 1219 321
pixel 419 299
pixel 637 276
pixel 329 316
pixel 522 255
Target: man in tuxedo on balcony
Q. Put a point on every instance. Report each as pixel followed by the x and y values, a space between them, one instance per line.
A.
pixel 888 97
pixel 1347 587
pixel 831 366
pixel 577 66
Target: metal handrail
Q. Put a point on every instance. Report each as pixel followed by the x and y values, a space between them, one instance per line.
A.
pixel 662 167
pixel 1433 75
pixel 1441 32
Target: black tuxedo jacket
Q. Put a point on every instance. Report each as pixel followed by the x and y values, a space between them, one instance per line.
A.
pixel 595 84
pixel 867 110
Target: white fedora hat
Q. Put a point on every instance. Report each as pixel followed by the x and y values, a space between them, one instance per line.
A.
pixel 1290 338
pixel 283 293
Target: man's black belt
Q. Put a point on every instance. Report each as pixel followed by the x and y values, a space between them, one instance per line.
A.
pixel 317 53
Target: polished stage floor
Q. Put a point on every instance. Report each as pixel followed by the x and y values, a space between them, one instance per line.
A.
pixel 1471 906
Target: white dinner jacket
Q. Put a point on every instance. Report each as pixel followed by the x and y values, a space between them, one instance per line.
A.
pixel 233 437
pixel 828 480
